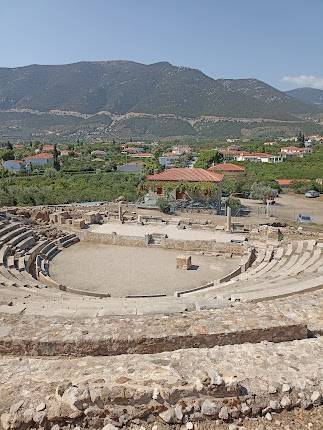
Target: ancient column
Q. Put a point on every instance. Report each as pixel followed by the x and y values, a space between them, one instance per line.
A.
pixel 120 217
pixel 229 226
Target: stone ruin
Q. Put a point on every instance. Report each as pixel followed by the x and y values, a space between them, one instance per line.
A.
pixel 240 353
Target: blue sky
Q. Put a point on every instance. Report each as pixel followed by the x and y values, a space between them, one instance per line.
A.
pixel 278 41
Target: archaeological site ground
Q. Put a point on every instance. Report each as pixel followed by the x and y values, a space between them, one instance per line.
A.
pixel 111 318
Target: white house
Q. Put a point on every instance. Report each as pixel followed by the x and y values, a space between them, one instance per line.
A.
pixel 15 166
pixel 295 151
pixel 168 160
pixel 261 157
pixel 42 159
pixel 181 150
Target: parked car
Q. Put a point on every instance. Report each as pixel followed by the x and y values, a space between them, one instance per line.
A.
pixel 243 195
pixel 304 218
pixel 311 194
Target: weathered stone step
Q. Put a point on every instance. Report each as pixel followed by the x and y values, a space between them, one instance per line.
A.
pixel 33 335
pixel 205 384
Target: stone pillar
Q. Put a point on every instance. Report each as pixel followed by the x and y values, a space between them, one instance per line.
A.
pixel 120 215
pixel 229 225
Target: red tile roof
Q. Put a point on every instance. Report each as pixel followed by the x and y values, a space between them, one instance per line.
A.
pixel 142 155
pixel 256 154
pixel 226 167
pixel 287 182
pixel 284 182
pixel 230 151
pixel 64 152
pixel 295 149
pixel 47 148
pixel 186 175
pixel 41 155
pixel 15 161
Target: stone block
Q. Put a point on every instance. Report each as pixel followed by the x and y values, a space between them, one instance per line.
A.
pixel 183 262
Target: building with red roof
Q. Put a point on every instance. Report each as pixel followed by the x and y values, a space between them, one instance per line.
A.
pixel 42 159
pixel 48 148
pixel 143 155
pixel 186 175
pixel 295 151
pixel 227 169
pixel 286 183
pixel 187 184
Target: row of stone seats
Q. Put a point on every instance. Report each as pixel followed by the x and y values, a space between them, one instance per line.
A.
pixel 39 263
pixel 292 268
pixel 16 240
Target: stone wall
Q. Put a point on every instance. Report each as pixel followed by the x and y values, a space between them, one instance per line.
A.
pixel 181 245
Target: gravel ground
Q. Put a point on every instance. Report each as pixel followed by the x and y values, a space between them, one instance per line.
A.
pixel 121 270
pixel 297 419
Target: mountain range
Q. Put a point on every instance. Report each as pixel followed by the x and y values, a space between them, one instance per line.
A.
pixel 125 97
pixel 308 95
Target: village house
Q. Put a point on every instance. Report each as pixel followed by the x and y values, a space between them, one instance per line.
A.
pixel 168 159
pixel 98 153
pixel 295 151
pixel 181 150
pixel 186 184
pixel 261 157
pixel 15 166
pixel 64 152
pixel 284 183
pixel 227 169
pixel 42 159
pixel 131 149
pixel 48 148
pixel 143 155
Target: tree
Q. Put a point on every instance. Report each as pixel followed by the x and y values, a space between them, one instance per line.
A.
pixel 163 205
pixel 50 172
pixel 301 139
pixel 57 165
pixel 262 192
pixel 206 158
pixel 151 166
pixel 234 203
pixel 8 155
pixel 9 146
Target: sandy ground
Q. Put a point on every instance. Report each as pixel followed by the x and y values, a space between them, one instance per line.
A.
pixel 121 271
pixel 171 230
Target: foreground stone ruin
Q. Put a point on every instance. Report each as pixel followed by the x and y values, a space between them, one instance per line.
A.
pixel 244 347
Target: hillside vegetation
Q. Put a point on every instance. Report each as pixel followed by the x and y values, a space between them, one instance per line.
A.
pixel 125 86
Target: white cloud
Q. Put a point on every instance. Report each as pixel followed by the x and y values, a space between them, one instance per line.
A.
pixel 304 81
